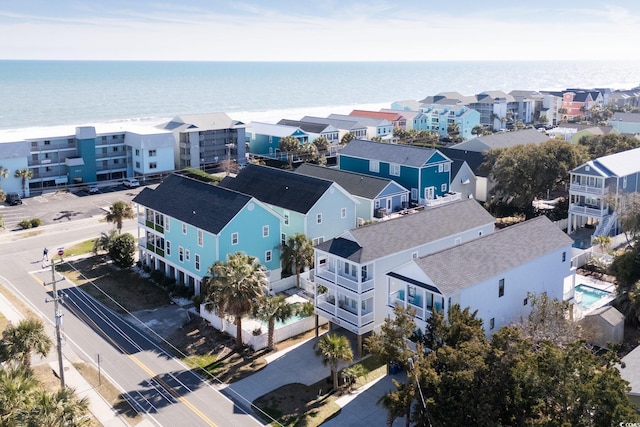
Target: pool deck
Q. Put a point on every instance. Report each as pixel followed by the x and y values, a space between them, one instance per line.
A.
pixel 597 284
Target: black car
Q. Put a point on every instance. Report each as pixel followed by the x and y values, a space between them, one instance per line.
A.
pixel 14 199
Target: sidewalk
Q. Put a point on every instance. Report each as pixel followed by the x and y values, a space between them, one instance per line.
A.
pixel 100 409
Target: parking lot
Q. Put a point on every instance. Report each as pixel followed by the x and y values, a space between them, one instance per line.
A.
pixel 63 205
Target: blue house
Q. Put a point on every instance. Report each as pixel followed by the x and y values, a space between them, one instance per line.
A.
pixel 373 193
pixel 426 172
pixel 264 138
pixel 318 208
pixel 185 225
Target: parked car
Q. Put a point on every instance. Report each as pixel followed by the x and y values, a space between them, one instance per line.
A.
pixel 93 189
pixel 130 182
pixel 14 199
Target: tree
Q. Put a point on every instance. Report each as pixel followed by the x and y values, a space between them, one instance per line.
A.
pixel 103 242
pixel 549 320
pixel 289 145
pixel 347 138
pixel 391 344
pixel 398 402
pixel 271 309
pixel 234 287
pixel 17 386
pixel 477 130
pixel 18 342
pixel 453 129
pixel 626 268
pixel 122 249
pixel 308 152
pixel 603 145
pixel 297 254
pixel 118 212
pixel 25 174
pixel 322 144
pixel 333 349
pixel 628 208
pixel 59 408
pixel 4 172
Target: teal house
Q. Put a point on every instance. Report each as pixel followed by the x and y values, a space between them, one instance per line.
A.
pixel 426 172
pixel 185 225
pixel 318 208
pixel 264 138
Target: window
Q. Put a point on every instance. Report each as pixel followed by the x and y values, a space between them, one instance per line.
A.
pixel 414 255
pixel 152 153
pixel 447 167
pixel 115 149
pixel 343 213
pixel 267 256
pixel 440 167
pixel 153 165
pixel 525 301
pixel 168 248
pixel 624 182
pixel 500 288
pixel 317 241
pixel 184 228
pixel 443 188
pixel 564 256
pixel 166 223
pixel 283 239
pixel 200 238
pixel 374 166
pixel 116 161
pixel 137 152
pixel 187 254
pixel 265 231
pixel 412 291
pixel 363 273
pixel 234 238
pixel 319 218
pixel 286 218
pixel 197 260
pixel 47 143
pixel 180 253
pixel 394 169
pixel 137 165
pixel 492 323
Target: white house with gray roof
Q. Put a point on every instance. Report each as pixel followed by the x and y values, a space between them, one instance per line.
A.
pixel 493 274
pixel 347 125
pixel 376 127
pixel 350 270
pixel 595 183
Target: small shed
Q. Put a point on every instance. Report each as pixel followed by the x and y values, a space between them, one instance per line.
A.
pixel 603 325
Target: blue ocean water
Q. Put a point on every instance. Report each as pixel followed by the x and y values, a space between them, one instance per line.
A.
pixel 48 93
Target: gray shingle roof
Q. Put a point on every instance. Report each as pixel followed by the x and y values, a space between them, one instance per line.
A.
pixel 202 205
pixel 306 126
pixel 355 183
pixel 392 153
pixel 278 187
pixel 409 231
pixel 201 122
pixel 510 139
pixel 492 254
pixel 473 158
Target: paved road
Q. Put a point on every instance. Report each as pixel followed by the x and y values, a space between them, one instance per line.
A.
pixel 158 385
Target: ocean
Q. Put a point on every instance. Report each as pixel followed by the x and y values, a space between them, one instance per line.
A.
pixel 50 93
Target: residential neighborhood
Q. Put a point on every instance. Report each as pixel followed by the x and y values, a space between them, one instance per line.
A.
pixel 380 223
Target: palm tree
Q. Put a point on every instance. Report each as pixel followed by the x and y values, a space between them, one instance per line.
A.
pixel 25 174
pixel 118 212
pixel 322 144
pixel 18 342
pixel 347 138
pixel 3 174
pixel 234 287
pixel 102 243
pixel 59 408
pixel 297 254
pixel 17 387
pixel 270 309
pixel 289 145
pixel 334 348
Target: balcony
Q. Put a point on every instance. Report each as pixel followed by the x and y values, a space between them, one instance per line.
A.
pixel 577 188
pixel 588 210
pixel 326 306
pixel 441 200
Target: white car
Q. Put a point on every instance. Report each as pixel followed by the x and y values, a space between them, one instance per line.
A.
pixel 93 189
pixel 130 182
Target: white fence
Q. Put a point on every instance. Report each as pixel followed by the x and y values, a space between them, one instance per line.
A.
pixel 259 342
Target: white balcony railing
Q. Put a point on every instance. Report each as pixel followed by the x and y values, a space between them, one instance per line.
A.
pixel 586 210
pixel 577 188
pixel 450 197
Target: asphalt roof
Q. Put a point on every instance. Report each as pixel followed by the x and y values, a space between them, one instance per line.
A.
pixel 492 254
pixel 355 183
pixel 473 158
pixel 309 127
pixel 393 153
pixel 278 187
pixel 384 238
pixel 621 164
pixel 510 139
pixel 200 204
pixel 205 121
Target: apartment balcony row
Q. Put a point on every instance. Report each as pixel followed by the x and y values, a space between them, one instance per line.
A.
pixel 49 148
pixel 45 162
pixel 587 189
pixel 588 210
pixel 343 281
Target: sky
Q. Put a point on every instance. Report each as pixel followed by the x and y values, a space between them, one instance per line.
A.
pixel 319 30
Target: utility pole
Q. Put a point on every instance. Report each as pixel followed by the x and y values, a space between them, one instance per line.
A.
pixel 58 316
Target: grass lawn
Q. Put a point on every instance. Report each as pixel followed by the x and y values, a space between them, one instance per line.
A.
pixel 78 249
pixel 301 405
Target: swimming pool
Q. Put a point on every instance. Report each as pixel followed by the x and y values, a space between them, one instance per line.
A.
pixel 590 295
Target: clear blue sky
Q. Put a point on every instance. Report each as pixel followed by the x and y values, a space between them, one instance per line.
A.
pixel 319 30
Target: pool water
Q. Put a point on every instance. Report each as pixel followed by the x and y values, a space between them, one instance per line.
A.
pixel 590 295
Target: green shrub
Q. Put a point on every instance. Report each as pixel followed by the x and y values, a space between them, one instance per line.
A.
pixel 36 222
pixel 122 250
pixel 25 223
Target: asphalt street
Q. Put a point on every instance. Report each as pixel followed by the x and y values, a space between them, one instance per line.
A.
pixel 164 389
